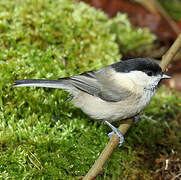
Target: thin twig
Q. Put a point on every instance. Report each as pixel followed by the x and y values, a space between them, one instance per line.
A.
pixel 148 5
pixel 97 168
pixel 165 15
pixel 170 53
pixel 31 160
pixel 156 8
pixel 36 159
pixel 177 176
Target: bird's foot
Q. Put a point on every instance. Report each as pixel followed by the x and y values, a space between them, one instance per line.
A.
pixel 136 119
pixel 116 131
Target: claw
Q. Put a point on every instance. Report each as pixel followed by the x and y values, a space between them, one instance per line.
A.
pixel 116 131
pixel 110 134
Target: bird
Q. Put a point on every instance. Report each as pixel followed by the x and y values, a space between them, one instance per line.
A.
pixel 115 92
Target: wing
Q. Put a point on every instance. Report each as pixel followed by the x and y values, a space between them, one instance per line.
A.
pixel 86 82
pixel 101 84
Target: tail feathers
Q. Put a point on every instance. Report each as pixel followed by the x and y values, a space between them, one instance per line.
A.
pixel 61 83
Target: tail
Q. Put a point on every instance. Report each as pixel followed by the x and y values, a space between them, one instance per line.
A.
pixel 61 83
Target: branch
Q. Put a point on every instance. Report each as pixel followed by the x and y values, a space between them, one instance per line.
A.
pixel 106 153
pixel 148 5
pixel 97 168
pixel 167 17
pixel 169 55
pixel 156 8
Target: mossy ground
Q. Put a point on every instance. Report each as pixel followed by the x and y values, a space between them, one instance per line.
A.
pixel 41 137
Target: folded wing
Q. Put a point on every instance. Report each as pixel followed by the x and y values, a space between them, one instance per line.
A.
pixel 99 84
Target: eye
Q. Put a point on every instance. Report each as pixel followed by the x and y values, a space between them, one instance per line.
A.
pixel 149 73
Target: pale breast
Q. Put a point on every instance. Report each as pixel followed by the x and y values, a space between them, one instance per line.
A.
pixel 111 111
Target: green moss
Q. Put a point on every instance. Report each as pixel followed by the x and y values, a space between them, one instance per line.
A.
pixel 131 40
pixel 40 136
pixel 42 34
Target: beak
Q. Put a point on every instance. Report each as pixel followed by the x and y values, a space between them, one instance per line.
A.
pixel 165 76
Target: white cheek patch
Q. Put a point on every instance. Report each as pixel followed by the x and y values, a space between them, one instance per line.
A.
pixel 122 80
pixel 142 79
pixel 135 78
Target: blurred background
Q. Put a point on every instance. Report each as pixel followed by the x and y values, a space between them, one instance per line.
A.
pixel 161 17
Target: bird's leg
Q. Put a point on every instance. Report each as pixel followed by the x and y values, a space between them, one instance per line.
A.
pixel 136 119
pixel 116 131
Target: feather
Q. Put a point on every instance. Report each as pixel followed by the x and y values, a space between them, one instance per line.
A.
pixel 98 83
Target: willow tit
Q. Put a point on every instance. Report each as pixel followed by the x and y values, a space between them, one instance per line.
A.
pixel 115 92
